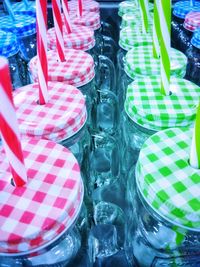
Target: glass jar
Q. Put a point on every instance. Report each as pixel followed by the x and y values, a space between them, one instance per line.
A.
pixel 180 10
pixel 148 111
pixel 191 23
pixel 9 48
pixel 193 55
pixel 165 223
pixel 44 228
pixel 24 8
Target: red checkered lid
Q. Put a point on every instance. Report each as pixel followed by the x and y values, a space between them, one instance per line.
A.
pixel 60 118
pixel 77 70
pixel 34 215
pixel 89 19
pixel 88 5
pixel 192 21
pixel 81 38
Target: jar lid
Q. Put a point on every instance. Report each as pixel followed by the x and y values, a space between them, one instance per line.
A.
pixel 88 19
pixel 21 26
pixel 195 41
pixel 21 8
pixel 81 38
pixel 192 21
pixel 127 7
pixel 133 20
pixel 88 5
pixel 64 113
pixel 166 180
pixel 181 8
pixel 129 38
pixel 77 70
pixel 39 212
pixel 146 106
pixel 139 61
pixel 8 44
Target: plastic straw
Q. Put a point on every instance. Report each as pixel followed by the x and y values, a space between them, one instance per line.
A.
pixel 156 30
pixel 165 32
pixel 144 7
pixel 66 17
pixel 9 127
pixel 80 8
pixel 41 15
pixel 9 9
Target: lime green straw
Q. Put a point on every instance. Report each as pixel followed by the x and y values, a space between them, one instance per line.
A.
pixel 156 30
pixel 144 7
pixel 9 9
pixel 165 32
pixel 195 148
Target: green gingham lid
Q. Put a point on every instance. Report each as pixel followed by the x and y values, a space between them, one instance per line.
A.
pixel 130 38
pixel 139 61
pixel 130 6
pixel 146 106
pixel 167 181
pixel 133 20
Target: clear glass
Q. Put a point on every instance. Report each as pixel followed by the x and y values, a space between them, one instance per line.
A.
pixel 185 38
pixel 18 71
pixel 156 238
pixel 27 46
pixel 59 253
pixel 193 66
pixel 176 29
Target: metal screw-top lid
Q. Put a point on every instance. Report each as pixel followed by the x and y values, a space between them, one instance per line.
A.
pixel 8 44
pixel 182 8
pixel 192 21
pixel 195 41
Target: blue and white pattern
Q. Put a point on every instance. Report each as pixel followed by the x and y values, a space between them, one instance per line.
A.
pixel 8 44
pixel 182 8
pixel 195 41
pixel 20 8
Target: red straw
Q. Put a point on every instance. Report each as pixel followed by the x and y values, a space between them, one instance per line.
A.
pixel 9 127
pixel 80 8
pixel 58 28
pixel 66 16
pixel 41 14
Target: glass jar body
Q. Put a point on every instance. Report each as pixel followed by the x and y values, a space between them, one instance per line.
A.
pixel 18 71
pixel 176 29
pixel 193 66
pixel 162 242
pixel 185 38
pixel 27 46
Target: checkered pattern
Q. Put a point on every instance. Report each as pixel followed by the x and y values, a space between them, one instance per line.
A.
pixel 192 21
pixel 88 5
pixel 139 61
pixel 23 25
pixel 195 41
pixel 81 38
pixel 20 8
pixel 130 7
pixel 37 213
pixel 133 20
pixel 130 38
pixel 182 8
pixel 167 181
pixel 77 70
pixel 146 106
pixel 8 44
pixel 88 19
pixel 62 117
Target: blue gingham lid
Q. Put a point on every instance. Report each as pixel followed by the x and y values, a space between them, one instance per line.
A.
pixel 8 44
pixel 20 8
pixel 183 7
pixel 22 25
pixel 195 41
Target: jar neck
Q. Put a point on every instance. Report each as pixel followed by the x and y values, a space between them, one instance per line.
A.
pixel 177 19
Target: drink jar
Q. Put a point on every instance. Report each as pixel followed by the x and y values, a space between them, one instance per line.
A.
pixel 24 8
pixel 165 225
pixel 9 48
pixel 180 10
pixel 191 23
pixel 148 111
pixel 38 224
pixel 193 54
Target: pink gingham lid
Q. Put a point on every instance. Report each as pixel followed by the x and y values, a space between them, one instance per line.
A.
pixel 60 118
pixel 81 38
pixel 39 212
pixel 192 21
pixel 88 5
pixel 88 19
pixel 77 70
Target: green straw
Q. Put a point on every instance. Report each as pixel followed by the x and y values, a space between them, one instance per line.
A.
pixel 144 7
pixel 156 30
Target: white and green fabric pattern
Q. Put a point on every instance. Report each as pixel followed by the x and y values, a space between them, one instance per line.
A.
pixel 139 61
pixel 146 106
pixel 133 20
pixel 130 38
pixel 130 7
pixel 167 181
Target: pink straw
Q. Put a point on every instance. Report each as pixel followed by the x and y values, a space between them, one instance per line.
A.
pixel 66 16
pixel 9 127
pixel 41 15
pixel 80 8
pixel 58 28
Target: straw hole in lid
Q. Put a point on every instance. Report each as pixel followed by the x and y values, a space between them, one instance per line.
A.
pixel 12 182
pixel 193 167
